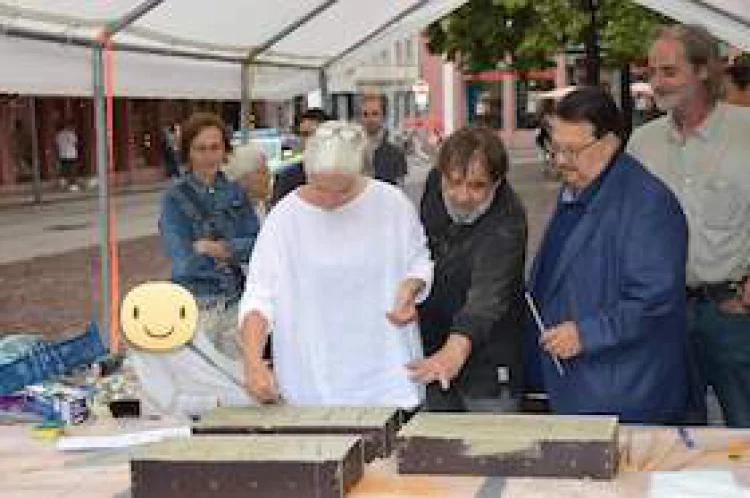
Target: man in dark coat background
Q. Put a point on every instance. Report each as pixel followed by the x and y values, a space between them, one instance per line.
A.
pixel 383 160
pixel 472 321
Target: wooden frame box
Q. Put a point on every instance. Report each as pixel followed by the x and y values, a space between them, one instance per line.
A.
pixel 377 426
pixel 509 445
pixel 264 466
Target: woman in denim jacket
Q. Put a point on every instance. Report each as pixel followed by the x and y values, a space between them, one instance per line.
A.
pixel 207 224
pixel 208 229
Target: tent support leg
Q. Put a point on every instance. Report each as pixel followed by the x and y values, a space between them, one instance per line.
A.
pixel 102 169
pixel 325 96
pixel 246 103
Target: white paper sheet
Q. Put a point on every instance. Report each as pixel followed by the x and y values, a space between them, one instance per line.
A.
pixel 84 443
pixel 696 484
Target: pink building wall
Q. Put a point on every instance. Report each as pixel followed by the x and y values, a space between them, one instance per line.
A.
pixel 431 70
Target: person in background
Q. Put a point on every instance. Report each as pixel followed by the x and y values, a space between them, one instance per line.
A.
pixel 700 149
pixel 247 166
pixel 293 176
pixel 336 274
pixel 609 276
pixel 66 141
pixel 472 321
pixel 737 81
pixel 171 151
pixel 542 138
pixel 383 160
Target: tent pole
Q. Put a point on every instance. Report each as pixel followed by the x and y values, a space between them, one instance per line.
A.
pixel 377 32
pixel 102 169
pixel 291 28
pixel 246 103
pixel 130 17
pixel 325 96
pixel 30 34
pixel 742 21
pixel 102 159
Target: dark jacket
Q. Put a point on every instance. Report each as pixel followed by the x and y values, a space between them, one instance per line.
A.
pixel 287 180
pixel 478 287
pixel 389 162
pixel 620 276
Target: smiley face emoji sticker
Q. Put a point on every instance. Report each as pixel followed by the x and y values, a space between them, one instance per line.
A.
pixel 159 316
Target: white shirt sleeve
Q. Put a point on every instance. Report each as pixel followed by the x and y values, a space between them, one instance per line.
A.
pixel 261 286
pixel 419 264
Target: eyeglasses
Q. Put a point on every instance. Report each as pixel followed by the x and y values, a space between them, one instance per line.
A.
pixel 556 151
pixel 201 149
pixel 371 114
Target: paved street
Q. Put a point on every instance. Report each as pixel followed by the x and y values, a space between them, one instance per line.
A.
pixel 49 263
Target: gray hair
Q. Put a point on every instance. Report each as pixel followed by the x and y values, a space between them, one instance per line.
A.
pixel 245 159
pixel 701 50
pixel 336 146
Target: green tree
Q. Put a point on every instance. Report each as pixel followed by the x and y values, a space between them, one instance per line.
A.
pixel 481 34
pixel 625 30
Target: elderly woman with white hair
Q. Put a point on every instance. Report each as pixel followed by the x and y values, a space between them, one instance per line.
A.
pixel 247 166
pixel 336 273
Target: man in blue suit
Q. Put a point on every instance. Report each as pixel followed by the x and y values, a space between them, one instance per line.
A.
pixel 609 278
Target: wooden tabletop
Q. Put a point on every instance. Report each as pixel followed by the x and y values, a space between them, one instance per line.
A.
pixel 34 468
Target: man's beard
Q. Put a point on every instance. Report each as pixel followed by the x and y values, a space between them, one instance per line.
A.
pixel 467 217
pixel 669 102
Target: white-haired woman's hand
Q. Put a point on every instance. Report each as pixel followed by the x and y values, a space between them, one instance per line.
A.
pixel 261 383
pixel 404 308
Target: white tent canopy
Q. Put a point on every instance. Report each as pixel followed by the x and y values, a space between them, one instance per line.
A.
pixel 301 35
pixel 291 46
pixel 305 34
pixel 728 20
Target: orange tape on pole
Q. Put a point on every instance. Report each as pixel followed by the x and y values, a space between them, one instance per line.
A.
pixel 112 246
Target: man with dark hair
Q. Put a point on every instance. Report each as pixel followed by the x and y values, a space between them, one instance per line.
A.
pixel 471 324
pixel 293 176
pixel 738 81
pixel 700 149
pixel 383 160
pixel 608 278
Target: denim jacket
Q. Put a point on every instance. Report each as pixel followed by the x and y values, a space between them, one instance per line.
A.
pixel 232 219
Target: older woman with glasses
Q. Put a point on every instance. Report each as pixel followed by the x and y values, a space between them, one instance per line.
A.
pixel 248 166
pixel 335 276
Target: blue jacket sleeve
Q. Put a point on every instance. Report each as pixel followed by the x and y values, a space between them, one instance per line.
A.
pixel 241 246
pixel 176 231
pixel 653 278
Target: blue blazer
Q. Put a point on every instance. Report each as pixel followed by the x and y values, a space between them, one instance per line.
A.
pixel 621 278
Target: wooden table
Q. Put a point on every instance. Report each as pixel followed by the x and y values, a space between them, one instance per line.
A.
pixel 33 468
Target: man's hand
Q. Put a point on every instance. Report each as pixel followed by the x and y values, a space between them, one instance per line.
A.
pixel 214 248
pixel 444 365
pixel 741 304
pixel 260 382
pixel 404 308
pixel 562 341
